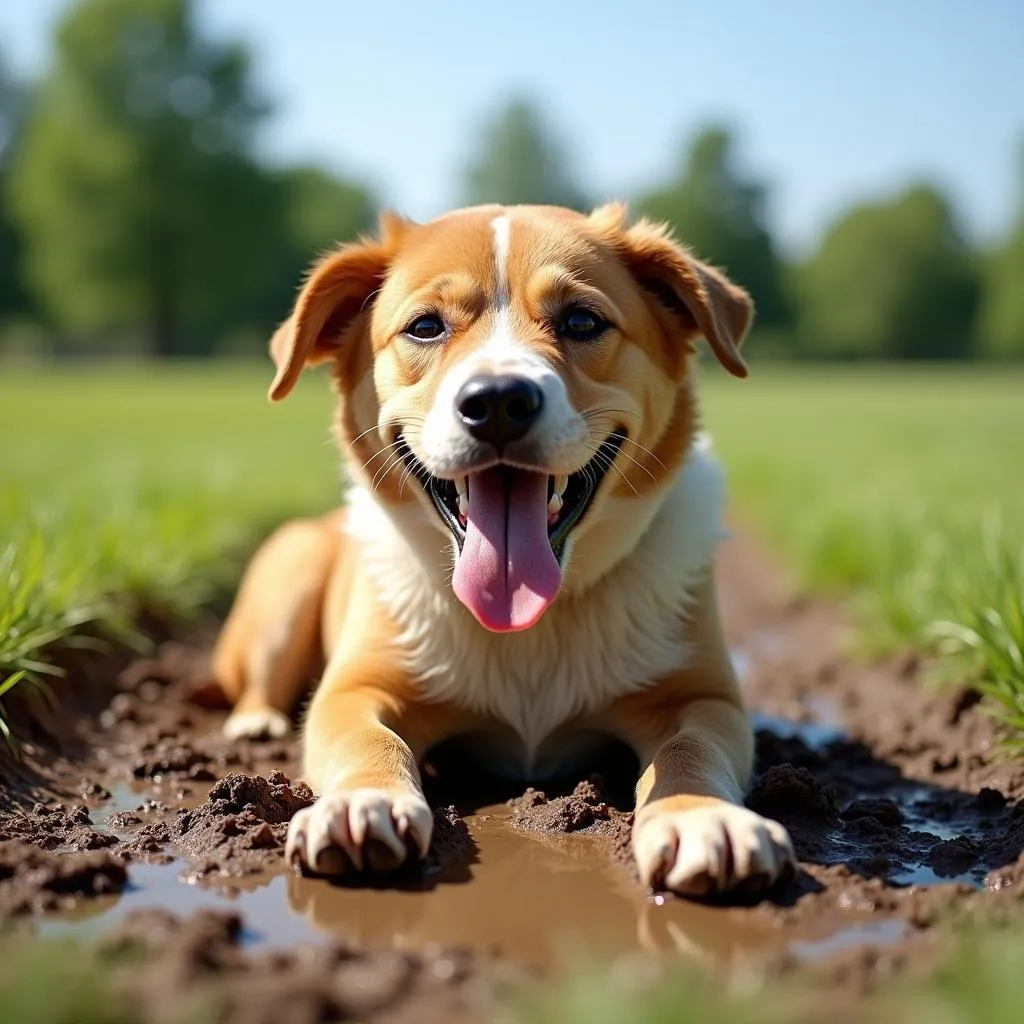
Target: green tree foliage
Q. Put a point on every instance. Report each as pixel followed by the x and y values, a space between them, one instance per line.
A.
pixel 891 280
pixel 140 203
pixel 320 211
pixel 1000 330
pixel 722 217
pixel 519 160
pixel 13 104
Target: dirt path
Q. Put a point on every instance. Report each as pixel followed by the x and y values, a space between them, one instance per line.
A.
pixel 156 832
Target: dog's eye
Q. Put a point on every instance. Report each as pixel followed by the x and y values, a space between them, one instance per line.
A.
pixel 426 328
pixel 580 324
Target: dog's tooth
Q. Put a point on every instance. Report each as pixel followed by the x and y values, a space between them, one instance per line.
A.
pixel 561 482
pixel 462 487
pixel 555 504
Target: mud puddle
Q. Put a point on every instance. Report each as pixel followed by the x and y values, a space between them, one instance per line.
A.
pixel 540 900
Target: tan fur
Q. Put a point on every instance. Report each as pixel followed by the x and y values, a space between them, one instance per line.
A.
pixel 315 595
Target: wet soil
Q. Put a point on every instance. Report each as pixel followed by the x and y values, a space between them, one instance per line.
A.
pixel 140 824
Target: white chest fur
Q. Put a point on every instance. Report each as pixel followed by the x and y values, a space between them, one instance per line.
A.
pixel 613 638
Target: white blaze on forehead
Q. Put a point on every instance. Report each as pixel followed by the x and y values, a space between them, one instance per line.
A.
pixel 503 352
pixel 501 226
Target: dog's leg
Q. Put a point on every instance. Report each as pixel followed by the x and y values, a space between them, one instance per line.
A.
pixel 270 648
pixel 691 833
pixel 364 737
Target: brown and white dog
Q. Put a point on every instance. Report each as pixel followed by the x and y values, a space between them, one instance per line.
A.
pixel 527 553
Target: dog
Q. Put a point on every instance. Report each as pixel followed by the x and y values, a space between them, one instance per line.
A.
pixel 526 556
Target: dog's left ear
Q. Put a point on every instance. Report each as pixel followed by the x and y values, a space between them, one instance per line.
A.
pixel 705 300
pixel 336 293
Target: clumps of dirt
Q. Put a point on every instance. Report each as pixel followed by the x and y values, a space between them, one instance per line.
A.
pixel 451 844
pixel 175 759
pixel 887 812
pixel 951 857
pixel 799 800
pixel 92 790
pixel 788 793
pixel 199 959
pixel 174 664
pixel 242 826
pixel 583 810
pixel 149 844
pixel 842 806
pixel 33 880
pixel 56 826
pixel 122 820
pixel 1009 876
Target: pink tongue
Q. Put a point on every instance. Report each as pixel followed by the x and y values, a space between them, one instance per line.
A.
pixel 507 574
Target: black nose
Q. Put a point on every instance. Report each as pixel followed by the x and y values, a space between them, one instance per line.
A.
pixel 499 409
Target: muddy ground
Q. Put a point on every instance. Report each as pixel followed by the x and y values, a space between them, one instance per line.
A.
pixel 133 822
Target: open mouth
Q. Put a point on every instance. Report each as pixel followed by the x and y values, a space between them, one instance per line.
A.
pixel 568 497
pixel 511 526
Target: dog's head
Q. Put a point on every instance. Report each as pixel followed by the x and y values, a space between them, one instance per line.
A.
pixel 524 375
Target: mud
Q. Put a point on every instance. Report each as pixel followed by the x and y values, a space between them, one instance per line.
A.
pixel 902 811
pixel 33 880
pixel 241 825
pixel 204 955
pixel 585 809
pixel 56 826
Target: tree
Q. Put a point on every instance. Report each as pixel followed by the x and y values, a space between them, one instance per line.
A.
pixel 13 104
pixel 520 161
pixel 893 280
pixel 135 187
pixel 320 211
pixel 722 218
pixel 1000 329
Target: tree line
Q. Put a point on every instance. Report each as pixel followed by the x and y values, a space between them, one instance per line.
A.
pixel 136 214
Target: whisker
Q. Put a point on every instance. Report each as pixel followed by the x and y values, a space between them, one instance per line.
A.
pixel 377 454
pixel 607 410
pixel 605 460
pixel 401 483
pixel 382 449
pixel 638 465
pixel 396 458
pixel 646 451
pixel 415 421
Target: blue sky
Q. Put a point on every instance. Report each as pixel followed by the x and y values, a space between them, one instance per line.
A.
pixel 833 102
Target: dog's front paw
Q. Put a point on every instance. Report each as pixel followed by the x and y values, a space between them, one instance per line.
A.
pixel 257 724
pixel 696 847
pixel 365 829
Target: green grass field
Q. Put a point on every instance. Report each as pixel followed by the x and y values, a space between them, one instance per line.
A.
pixel 127 486
pixel 978 981
pixel 901 489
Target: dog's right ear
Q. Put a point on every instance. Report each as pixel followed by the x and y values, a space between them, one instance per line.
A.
pixel 338 290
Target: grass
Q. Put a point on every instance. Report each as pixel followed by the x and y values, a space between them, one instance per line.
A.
pixel 124 488
pixel 902 489
pixel 59 981
pixel 51 982
pixel 978 982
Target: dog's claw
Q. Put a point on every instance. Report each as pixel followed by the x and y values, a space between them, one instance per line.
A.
pixel 361 824
pixel 710 849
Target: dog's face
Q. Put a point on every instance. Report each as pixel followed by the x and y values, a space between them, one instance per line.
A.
pixel 523 373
